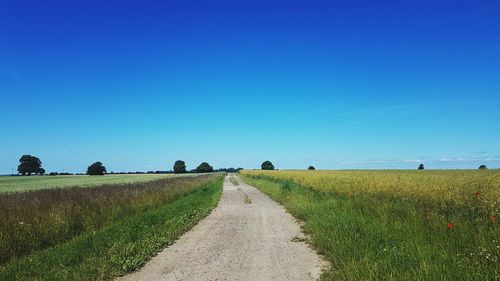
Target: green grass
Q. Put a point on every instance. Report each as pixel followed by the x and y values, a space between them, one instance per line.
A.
pixel 31 221
pixel 119 247
pixel 389 236
pixel 15 184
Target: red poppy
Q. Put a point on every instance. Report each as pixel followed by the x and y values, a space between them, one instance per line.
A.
pixel 493 218
pixel 451 225
pixel 477 193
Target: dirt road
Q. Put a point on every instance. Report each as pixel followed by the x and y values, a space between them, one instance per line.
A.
pixel 247 237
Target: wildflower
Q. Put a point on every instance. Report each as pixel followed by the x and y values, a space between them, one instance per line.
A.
pixel 477 193
pixel 451 225
pixel 493 219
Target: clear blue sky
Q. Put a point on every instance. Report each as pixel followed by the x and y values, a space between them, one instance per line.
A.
pixel 335 84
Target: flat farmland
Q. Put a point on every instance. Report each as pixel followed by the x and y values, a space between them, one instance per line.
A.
pixel 99 232
pixel 17 184
pixel 395 224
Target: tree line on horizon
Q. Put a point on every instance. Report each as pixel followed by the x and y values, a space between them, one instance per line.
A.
pixel 29 164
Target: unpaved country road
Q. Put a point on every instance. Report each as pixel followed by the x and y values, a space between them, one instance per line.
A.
pixel 239 240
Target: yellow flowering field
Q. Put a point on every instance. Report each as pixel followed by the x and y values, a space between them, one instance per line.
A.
pixel 457 186
pixel 395 224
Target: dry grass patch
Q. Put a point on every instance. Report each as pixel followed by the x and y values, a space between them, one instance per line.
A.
pixel 247 199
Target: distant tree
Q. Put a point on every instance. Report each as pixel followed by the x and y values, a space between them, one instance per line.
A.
pixel 179 167
pixel 311 168
pixel 204 168
pixel 53 174
pixel 421 167
pixel 41 171
pixel 267 165
pixel 29 165
pixel 96 169
pixel 483 167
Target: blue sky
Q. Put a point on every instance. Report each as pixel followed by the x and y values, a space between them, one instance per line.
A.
pixel 335 84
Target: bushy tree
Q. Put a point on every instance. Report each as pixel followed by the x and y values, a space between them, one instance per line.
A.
pixel 311 168
pixel 29 165
pixel 179 167
pixel 96 169
pixel 267 165
pixel 483 167
pixel 204 168
pixel 421 167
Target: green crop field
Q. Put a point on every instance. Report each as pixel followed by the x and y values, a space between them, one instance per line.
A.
pixel 15 184
pixel 395 225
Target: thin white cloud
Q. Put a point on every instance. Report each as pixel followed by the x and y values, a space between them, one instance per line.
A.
pixel 458 17
pixel 444 160
pixel 413 161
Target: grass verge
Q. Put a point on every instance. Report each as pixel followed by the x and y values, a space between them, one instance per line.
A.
pixel 119 247
pixel 36 220
pixel 368 237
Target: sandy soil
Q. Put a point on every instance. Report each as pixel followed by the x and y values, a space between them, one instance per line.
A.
pixel 239 240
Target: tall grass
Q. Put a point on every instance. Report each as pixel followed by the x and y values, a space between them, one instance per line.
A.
pixel 121 246
pixel 395 225
pixel 32 221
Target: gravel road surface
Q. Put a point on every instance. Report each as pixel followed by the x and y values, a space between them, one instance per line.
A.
pixel 247 237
